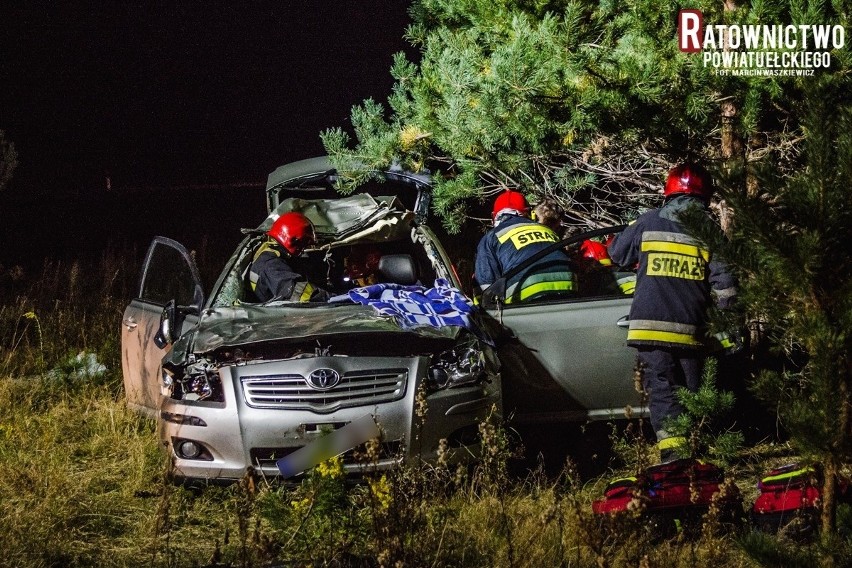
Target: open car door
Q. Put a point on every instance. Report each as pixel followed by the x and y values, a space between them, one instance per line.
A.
pixel 565 358
pixel 168 275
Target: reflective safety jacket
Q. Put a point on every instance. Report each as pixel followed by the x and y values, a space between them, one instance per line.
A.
pixel 270 276
pixel 626 281
pixel 674 280
pixel 511 242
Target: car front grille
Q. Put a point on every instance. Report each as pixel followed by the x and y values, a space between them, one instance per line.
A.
pixel 356 388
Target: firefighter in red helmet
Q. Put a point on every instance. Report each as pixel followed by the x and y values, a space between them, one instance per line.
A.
pixel 689 179
pixel 272 274
pixel 596 252
pixel 515 238
pixel 510 201
pixel 676 282
pixel 598 275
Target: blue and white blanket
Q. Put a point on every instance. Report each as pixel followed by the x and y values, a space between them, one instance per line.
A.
pixel 410 306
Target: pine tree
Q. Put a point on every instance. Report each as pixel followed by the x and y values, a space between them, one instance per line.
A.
pixel 791 247
pixel 585 102
pixel 705 419
pixel 590 102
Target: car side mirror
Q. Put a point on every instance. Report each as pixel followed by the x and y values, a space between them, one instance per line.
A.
pixel 171 321
pixel 494 294
pixel 398 268
pixel 166 334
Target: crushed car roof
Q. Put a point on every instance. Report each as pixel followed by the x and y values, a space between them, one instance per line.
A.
pixel 346 217
pixel 317 176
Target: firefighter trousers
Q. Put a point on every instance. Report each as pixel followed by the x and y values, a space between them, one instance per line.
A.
pixel 663 371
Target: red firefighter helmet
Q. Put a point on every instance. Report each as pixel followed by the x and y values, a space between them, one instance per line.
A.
pixel 510 200
pixel 293 231
pixel 596 251
pixel 689 179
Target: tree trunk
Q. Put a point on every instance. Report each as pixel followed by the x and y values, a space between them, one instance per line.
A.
pixel 829 501
pixel 831 467
pixel 829 512
pixel 731 150
pixel 732 144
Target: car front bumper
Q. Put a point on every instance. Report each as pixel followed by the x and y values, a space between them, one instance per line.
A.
pixel 251 430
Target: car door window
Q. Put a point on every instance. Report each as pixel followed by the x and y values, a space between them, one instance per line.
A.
pixel 599 278
pixel 170 274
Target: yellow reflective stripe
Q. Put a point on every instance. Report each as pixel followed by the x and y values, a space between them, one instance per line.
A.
pixel 306 293
pixel 626 282
pixel 620 479
pixel 605 262
pixel 673 442
pixel 297 292
pixel 558 286
pixel 680 248
pixel 563 286
pixel 268 246
pixel 667 336
pixel 787 475
pixel 657 325
pixel 545 234
pixel 502 237
pixel 628 287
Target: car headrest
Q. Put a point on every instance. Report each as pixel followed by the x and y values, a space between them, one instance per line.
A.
pixel 398 268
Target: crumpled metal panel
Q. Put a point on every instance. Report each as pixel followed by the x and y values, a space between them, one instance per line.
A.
pixel 336 218
pixel 318 172
pixel 294 173
pixel 242 325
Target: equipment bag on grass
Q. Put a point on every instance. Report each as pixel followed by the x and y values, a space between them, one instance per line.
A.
pixel 790 499
pixel 679 489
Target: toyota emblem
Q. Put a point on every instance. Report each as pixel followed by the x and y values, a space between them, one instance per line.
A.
pixel 323 379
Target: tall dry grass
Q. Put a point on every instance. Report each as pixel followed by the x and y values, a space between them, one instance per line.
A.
pixel 65 307
pixel 83 481
pixel 81 477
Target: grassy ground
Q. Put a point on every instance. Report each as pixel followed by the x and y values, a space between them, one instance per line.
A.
pixel 82 479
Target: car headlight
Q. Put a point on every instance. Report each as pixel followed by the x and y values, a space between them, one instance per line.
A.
pixel 167 387
pixel 462 365
pixel 199 381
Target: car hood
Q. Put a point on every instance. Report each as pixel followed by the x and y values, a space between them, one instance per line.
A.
pixel 247 324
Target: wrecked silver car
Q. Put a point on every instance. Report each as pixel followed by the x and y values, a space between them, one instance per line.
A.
pixel 235 383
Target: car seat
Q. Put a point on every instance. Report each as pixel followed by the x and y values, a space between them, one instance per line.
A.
pixel 398 269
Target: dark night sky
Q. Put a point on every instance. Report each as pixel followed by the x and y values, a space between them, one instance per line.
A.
pixel 190 94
